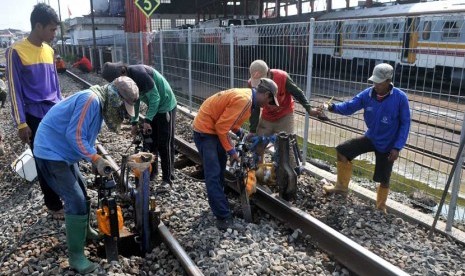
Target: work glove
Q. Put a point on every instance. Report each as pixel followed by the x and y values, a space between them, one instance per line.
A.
pixel 234 158
pixel 254 142
pixel 103 166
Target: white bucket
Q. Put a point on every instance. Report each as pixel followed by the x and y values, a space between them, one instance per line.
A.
pixel 25 166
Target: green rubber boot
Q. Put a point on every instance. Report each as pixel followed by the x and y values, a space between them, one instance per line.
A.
pixel 91 233
pixel 76 228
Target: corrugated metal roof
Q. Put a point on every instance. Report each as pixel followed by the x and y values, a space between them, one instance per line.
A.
pixel 450 6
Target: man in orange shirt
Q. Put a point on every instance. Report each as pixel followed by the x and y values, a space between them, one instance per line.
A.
pixel 83 64
pixel 226 110
pixel 60 64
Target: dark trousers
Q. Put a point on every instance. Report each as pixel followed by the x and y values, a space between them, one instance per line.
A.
pixel 51 199
pixel 214 160
pixel 163 141
pixel 68 182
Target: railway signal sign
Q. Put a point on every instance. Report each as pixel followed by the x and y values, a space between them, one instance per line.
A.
pixel 147 6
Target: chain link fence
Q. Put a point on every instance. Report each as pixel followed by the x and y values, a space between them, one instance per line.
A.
pixel 334 59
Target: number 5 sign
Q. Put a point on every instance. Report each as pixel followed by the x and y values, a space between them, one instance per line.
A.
pixel 147 6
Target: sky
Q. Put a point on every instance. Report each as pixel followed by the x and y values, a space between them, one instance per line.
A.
pixel 16 14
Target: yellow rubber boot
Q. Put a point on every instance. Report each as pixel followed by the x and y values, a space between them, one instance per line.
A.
pixel 381 198
pixel 344 173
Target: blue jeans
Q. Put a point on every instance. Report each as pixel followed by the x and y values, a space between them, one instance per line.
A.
pixel 67 182
pixel 214 160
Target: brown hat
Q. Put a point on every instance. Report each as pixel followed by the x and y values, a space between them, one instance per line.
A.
pixel 266 85
pixel 258 69
pixel 129 91
pixel 112 70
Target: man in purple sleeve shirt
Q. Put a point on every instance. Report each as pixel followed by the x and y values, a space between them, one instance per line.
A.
pixel 33 85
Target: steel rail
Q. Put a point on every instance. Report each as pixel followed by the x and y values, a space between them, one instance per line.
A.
pixel 352 255
pixel 170 241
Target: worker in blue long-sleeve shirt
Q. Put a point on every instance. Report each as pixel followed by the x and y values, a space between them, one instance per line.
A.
pixel 387 117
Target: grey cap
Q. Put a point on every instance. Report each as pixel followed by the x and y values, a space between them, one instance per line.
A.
pixel 129 91
pixel 112 70
pixel 266 85
pixel 381 73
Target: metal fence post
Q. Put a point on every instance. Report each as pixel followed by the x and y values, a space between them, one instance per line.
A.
pixel 161 52
pixel 127 47
pixel 141 44
pixel 189 56
pixel 100 56
pixel 308 89
pixel 456 185
pixel 231 55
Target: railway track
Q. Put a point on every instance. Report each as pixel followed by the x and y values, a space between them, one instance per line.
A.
pixel 350 254
pixel 314 229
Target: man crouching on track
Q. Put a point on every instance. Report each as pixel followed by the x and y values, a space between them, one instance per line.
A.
pixel 387 116
pixel 160 118
pixel 66 135
pixel 226 110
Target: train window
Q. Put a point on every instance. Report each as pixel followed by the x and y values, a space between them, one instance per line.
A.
pixel 380 31
pixel 362 31
pixel 426 30
pixel 451 30
pixel 323 31
pixel 395 30
pixel 250 22
pixel 347 31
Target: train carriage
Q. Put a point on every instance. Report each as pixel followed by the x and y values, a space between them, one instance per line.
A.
pixel 427 39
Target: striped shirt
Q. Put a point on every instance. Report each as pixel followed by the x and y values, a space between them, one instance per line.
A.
pixel 69 130
pixel 32 79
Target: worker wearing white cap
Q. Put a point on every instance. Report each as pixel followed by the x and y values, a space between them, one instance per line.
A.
pixel 274 119
pixel 387 117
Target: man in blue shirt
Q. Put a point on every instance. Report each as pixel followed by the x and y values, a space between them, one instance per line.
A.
pixel 387 117
pixel 67 135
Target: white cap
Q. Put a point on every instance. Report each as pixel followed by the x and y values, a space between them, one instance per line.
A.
pixel 381 73
pixel 258 69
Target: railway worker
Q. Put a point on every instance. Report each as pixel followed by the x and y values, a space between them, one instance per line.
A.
pixel 387 116
pixel 34 87
pixel 60 64
pixel 275 119
pixel 66 135
pixel 226 110
pixel 83 64
pixel 160 117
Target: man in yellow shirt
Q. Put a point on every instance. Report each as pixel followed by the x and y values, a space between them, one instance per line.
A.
pixel 220 113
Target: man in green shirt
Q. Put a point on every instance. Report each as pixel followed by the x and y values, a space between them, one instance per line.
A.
pixel 160 118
